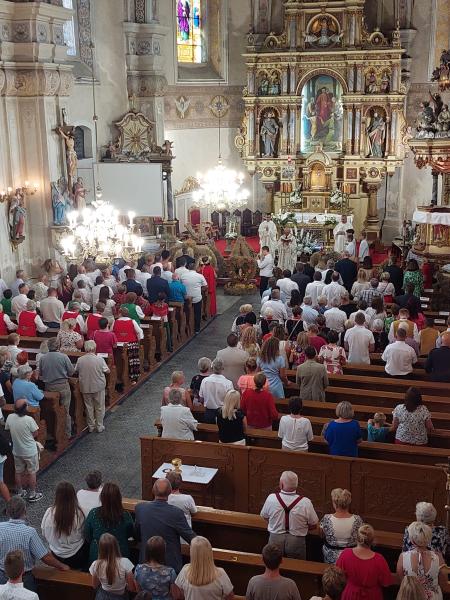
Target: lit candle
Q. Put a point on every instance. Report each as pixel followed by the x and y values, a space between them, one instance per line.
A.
pixel 27 183
pixel 35 186
pixel 9 190
pixel 131 216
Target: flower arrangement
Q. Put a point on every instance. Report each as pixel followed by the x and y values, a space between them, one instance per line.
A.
pixel 338 199
pixel 231 235
pixel 296 198
pixel 306 242
pixel 330 220
pixel 283 220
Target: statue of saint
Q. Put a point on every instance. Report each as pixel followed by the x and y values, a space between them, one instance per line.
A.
pixel 376 136
pixel 267 232
pixel 371 83
pixel 60 201
pixel 323 33
pixel 443 120
pixel 269 133
pixel 17 213
pixel 426 118
pixel 79 194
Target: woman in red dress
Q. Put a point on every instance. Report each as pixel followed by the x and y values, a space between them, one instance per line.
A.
pixel 367 572
pixel 209 273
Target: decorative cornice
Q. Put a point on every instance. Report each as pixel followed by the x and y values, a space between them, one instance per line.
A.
pixel 40 80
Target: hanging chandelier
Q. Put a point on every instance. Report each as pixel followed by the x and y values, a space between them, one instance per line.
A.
pixel 220 188
pixel 98 233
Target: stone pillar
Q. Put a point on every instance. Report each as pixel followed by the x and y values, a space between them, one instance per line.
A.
pixel 434 193
pixel 357 146
pixel 445 199
pixel 251 132
pixel 284 80
pixel 170 211
pixel 359 79
pixel 251 85
pixel 293 80
pixel 269 197
pixel 393 140
pixel 284 131
pixel 349 142
pixel 372 223
pixel 34 82
pixel 351 78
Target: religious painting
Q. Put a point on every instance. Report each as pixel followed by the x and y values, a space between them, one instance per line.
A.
pixel 322 114
pixel 323 32
pixel 190 32
pixel 352 173
pixel 269 84
pixel 352 188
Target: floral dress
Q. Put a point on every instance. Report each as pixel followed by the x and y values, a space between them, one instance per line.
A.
pixel 333 358
pixel 156 580
pixel 339 534
pixel 416 278
pixel 440 540
pixel 411 428
pixel 429 579
pixel 67 340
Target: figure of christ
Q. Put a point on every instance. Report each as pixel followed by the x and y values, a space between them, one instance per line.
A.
pixel 323 107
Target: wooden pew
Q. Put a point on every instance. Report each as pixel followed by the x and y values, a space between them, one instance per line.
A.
pixel 189 311
pixel 180 317
pixel 160 335
pixel 389 384
pixel 375 359
pixel 149 345
pixel 384 493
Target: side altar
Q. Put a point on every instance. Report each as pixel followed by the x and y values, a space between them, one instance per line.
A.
pixel 324 110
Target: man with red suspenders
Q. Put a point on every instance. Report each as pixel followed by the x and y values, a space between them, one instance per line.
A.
pixel 290 516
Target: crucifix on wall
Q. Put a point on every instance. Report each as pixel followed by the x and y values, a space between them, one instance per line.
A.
pixel 67 132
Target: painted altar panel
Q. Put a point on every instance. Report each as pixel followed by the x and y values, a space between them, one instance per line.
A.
pixel 322 114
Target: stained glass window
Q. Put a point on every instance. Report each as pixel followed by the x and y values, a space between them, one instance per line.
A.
pixel 190 25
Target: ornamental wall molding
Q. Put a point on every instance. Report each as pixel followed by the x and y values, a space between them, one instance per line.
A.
pixel 42 80
pixel 144 86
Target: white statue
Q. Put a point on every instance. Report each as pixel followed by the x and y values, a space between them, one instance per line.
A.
pixel 287 250
pixel 267 232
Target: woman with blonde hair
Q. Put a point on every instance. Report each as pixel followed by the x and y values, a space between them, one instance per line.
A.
pixel 231 420
pixel 424 564
pixel 297 353
pixel 68 339
pixel 201 579
pixel 177 380
pixel 249 342
pixel 333 584
pixel 340 528
pixel 367 571
pixel 440 538
pixel 360 284
pixel 386 288
pixel 410 589
pixel 272 364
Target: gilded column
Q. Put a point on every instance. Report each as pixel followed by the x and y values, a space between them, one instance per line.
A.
pixel 251 131
pixel 357 145
pixel 251 85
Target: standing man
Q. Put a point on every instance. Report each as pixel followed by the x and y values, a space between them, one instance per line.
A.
pixel 21 277
pixel 359 341
pixel 233 359
pixel 301 279
pixel 399 357
pixel 161 518
pixel 287 250
pixel 350 245
pixel 271 585
pixel 19 302
pixel 267 232
pixel 213 390
pixel 23 429
pixel 55 369
pixel 156 285
pixel 312 377
pixel 195 283
pixel 340 234
pixel 290 516
pixel 92 370
pixel 347 269
pixel 265 266
pixel 52 309
pixel 363 250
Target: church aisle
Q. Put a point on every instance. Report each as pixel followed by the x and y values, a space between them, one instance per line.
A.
pixel 116 452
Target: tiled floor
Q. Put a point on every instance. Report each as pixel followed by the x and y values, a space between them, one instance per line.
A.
pixel 116 451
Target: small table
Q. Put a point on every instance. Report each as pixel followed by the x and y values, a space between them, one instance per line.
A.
pixel 199 480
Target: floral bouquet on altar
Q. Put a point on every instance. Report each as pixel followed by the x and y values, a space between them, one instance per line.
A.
pixel 283 220
pixel 338 199
pixel 306 242
pixel 296 198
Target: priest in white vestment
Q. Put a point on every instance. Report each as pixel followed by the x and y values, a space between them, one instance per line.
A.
pixel 267 232
pixel 340 234
pixel 287 250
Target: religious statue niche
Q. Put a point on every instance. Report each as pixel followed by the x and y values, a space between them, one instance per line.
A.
pixel 269 132
pixel 269 84
pixel 61 201
pixel 16 217
pixel 318 180
pixel 377 83
pixel 322 114
pixel 375 132
pixel 371 86
pixel 323 31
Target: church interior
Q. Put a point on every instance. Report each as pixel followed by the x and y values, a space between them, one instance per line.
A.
pixel 196 189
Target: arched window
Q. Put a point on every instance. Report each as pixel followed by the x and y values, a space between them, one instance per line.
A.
pixel 69 31
pixel 191 21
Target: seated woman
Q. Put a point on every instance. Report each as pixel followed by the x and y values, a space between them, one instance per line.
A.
pixel 68 339
pixel 153 575
pixel 258 405
pixel 62 527
pixel 367 571
pixel 412 420
pixel 247 381
pixel 231 420
pixel 339 529
pixel 112 574
pixel 424 564
pixel 176 419
pixel 177 381
pixel 344 433
pixel 440 537
pixel 201 578
pixel 295 430
pixel 331 355
pixel 333 584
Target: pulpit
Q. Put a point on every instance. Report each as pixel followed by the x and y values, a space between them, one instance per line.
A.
pixel 433 232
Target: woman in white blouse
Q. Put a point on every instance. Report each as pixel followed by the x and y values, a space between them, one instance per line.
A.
pixel 295 430
pixel 360 284
pixel 62 527
pixel 340 528
pixel 386 288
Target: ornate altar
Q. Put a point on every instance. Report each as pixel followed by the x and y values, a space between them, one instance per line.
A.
pixel 324 109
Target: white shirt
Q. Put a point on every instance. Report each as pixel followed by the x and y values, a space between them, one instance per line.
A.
pixel 181 271
pixel 9 324
pixel 314 289
pixel 309 314
pixel 82 277
pixel 41 327
pixel 143 278
pixel 51 309
pixel 276 308
pixel 213 389
pixel 350 247
pixel 363 250
pixel 3 287
pixel 19 303
pixel 119 585
pixel 335 319
pixel 96 293
pixel 366 316
pixel 391 334
pixel 193 283
pixel 88 499
pixel 186 503
pixel 177 422
pixel 301 518
pixel 265 266
pixel 62 545
pixel 295 432
pixel 167 275
pixel 16 591
pixel 359 340
pixel 286 285
pixel 111 283
pixel 399 358
pixel 333 290
pixel 15 287
pixel 92 275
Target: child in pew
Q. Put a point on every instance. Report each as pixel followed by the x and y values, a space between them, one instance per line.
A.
pixel 112 575
pixel 160 309
pixel 6 302
pixel 377 431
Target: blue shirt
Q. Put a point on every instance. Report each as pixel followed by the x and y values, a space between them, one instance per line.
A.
pixel 133 286
pixel 376 435
pixel 178 291
pixel 16 535
pixel 343 438
pixel 27 389
pixel 272 372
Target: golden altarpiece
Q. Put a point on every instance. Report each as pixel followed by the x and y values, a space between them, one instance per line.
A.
pixel 324 111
